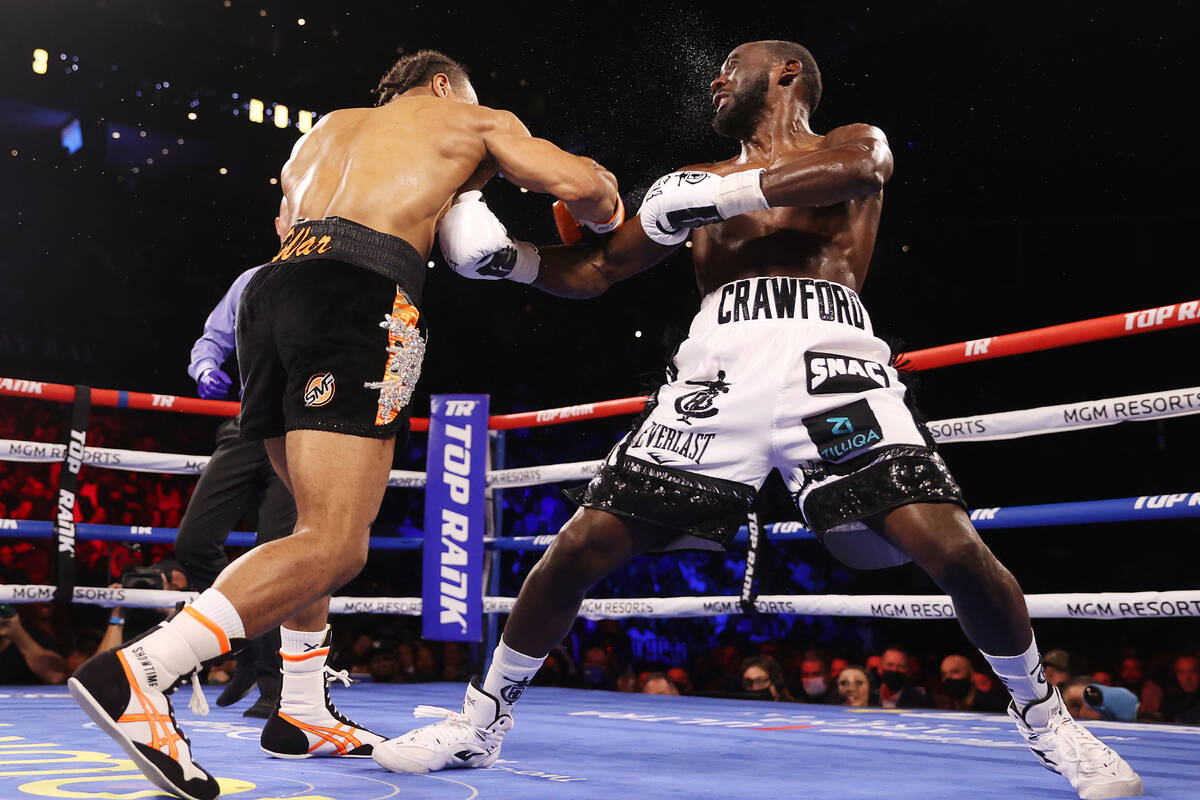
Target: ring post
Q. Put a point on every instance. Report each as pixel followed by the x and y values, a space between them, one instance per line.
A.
pixel 68 485
pixel 456 473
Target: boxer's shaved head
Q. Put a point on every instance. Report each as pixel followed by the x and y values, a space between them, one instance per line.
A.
pixel 745 81
pixel 810 76
pixel 418 69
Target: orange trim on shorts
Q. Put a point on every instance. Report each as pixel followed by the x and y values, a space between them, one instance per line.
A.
pixel 216 630
pixel 322 651
pixel 326 735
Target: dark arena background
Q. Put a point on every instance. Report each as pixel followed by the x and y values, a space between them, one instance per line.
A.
pixel 1045 173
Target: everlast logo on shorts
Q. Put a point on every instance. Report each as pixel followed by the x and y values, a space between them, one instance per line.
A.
pixel 843 432
pixel 319 390
pixel 688 444
pixel 789 298
pixel 829 373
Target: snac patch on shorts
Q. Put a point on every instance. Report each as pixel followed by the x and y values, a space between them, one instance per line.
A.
pixel 406 351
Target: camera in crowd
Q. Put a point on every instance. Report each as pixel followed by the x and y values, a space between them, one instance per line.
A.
pixel 151 577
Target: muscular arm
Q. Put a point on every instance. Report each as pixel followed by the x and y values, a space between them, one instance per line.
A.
pixel 588 189
pixel 855 161
pixel 582 271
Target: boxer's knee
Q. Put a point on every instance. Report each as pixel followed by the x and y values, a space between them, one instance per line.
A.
pixel 584 551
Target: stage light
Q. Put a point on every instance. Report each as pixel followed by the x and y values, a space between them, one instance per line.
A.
pixel 191 115
pixel 304 121
pixel 256 110
pixel 72 137
pixel 281 116
pixel 40 57
pixel 223 171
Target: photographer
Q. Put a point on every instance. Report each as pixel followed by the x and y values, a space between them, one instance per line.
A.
pixel 23 659
pixel 168 575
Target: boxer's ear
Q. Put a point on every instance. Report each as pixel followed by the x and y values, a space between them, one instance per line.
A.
pixel 441 85
pixel 790 71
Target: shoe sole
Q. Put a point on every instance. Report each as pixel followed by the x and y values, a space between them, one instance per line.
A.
pixel 1112 790
pixel 99 716
pixel 298 756
pixel 399 763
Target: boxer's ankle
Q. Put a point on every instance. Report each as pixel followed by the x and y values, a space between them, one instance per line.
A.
pixel 510 673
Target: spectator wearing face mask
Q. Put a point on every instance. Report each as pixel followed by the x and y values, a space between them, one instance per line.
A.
pixel 816 682
pixel 895 689
pixel 597 669
pixel 961 691
pixel 762 679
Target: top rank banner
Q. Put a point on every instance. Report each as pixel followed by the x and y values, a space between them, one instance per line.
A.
pixel 452 581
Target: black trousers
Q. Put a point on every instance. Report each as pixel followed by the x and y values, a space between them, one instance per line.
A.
pixel 238 480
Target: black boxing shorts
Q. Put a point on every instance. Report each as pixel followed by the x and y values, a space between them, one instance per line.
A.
pixel 328 334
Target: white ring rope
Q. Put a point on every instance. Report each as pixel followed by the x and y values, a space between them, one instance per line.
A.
pixel 979 428
pixel 1103 605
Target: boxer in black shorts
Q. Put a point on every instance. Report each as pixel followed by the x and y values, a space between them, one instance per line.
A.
pixel 330 351
pixel 330 333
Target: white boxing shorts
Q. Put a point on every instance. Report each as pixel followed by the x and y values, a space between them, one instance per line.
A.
pixel 776 373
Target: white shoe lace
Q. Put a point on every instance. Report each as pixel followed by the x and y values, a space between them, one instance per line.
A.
pixel 1089 749
pixel 460 725
pixel 332 676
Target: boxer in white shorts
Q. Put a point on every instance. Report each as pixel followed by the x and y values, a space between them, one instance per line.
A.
pixel 780 370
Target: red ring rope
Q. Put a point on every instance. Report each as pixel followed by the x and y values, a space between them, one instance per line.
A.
pixel 1007 344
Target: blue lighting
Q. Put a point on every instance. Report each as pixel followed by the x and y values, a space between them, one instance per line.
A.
pixel 72 137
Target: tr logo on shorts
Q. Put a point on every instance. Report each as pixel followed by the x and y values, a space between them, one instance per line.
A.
pixel 700 402
pixel 319 390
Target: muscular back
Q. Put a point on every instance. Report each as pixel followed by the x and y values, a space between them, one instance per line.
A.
pixel 394 168
pixel 832 242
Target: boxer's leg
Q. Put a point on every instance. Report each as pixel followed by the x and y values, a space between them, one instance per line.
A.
pixel 339 482
pixel 991 609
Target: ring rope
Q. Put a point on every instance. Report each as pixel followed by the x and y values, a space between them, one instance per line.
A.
pixel 1180 505
pixel 1101 605
pixel 1008 344
pixel 979 428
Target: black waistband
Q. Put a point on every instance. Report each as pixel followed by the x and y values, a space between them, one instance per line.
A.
pixel 342 240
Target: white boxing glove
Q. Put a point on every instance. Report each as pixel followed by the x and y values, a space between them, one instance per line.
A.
pixel 680 201
pixel 476 244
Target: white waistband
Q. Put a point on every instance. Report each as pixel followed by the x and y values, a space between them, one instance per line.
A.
pixel 752 301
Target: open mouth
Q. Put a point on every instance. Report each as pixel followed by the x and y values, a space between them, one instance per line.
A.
pixel 719 99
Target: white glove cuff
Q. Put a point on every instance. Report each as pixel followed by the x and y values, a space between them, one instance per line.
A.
pixel 529 263
pixel 740 192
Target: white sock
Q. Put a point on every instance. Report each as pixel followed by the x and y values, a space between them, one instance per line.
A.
pixel 509 674
pixel 1022 674
pixel 200 632
pixel 302 693
pixel 299 643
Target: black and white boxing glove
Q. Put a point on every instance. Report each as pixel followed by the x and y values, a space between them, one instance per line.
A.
pixel 476 244
pixel 680 201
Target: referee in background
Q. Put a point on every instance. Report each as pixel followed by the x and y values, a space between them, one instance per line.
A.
pixel 238 480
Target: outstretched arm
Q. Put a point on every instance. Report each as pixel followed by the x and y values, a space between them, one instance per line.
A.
pixel 581 271
pixel 855 161
pixel 589 190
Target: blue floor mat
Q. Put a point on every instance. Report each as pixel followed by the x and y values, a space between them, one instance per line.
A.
pixel 591 745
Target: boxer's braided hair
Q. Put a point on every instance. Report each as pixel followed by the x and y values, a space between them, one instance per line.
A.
pixel 415 69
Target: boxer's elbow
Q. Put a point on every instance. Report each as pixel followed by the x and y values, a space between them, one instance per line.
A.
pixel 873 167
